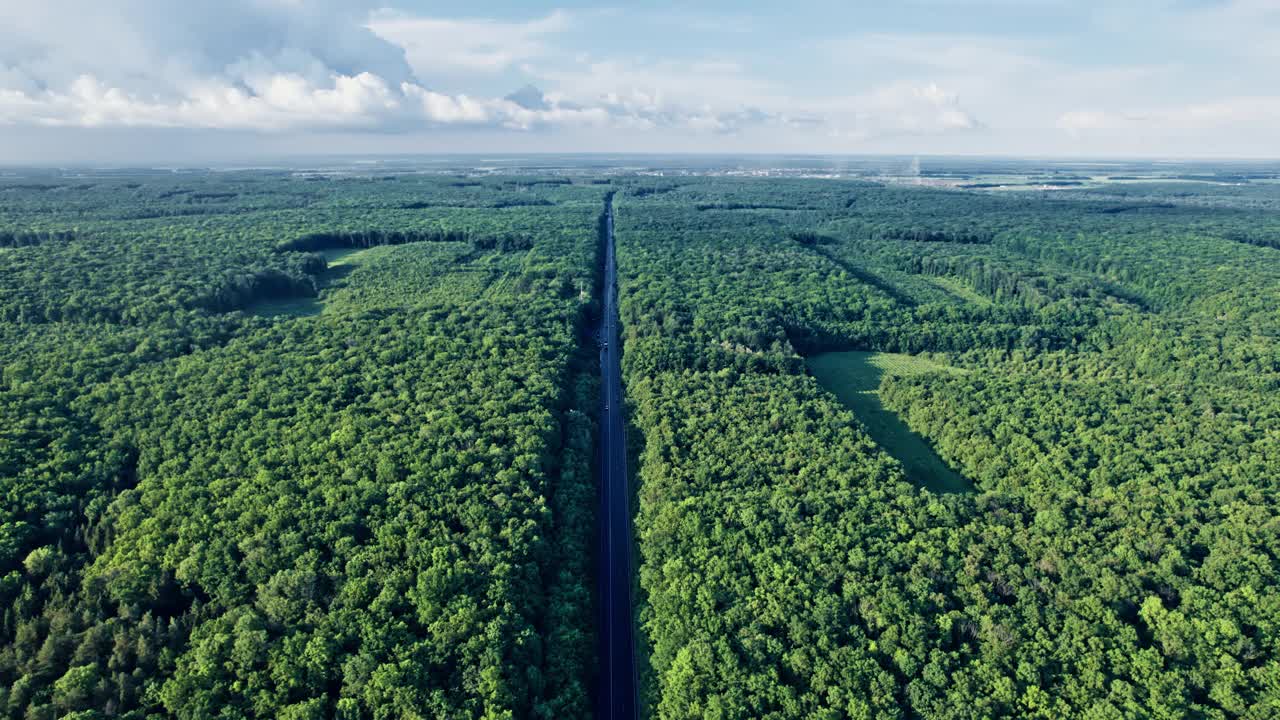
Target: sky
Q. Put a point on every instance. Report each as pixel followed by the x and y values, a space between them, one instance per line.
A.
pixel 145 81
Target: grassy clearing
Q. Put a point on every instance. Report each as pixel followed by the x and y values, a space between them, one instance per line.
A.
pixel 339 262
pixel 960 290
pixel 919 288
pixel 854 378
pixel 337 257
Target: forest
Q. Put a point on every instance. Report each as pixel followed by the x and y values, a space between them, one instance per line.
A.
pixel 261 462
pixel 309 445
pixel 1106 380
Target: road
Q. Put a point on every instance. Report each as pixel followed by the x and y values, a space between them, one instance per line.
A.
pixel 618 686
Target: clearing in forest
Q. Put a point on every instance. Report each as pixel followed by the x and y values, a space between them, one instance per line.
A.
pixel 960 290
pixel 339 262
pixel 337 257
pixel 854 378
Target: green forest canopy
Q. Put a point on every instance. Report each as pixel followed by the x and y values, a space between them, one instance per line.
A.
pixel 312 447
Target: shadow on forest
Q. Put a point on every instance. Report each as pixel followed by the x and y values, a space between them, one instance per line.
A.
pixel 854 378
pixel 287 307
pixel 334 276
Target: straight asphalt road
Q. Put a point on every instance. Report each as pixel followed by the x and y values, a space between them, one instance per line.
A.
pixel 618 692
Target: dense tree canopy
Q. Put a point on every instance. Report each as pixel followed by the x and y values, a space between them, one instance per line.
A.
pixel 248 472
pixel 1114 404
pixel 320 446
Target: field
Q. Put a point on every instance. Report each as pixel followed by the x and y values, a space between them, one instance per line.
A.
pixel 854 378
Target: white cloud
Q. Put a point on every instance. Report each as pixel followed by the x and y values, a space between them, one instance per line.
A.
pixel 447 109
pixel 651 86
pixel 1261 113
pixel 257 64
pixel 348 65
pixel 275 102
pixel 931 53
pixel 282 102
pixel 435 45
pixel 900 109
pixel 722 96
pixel 158 46
pixel 267 65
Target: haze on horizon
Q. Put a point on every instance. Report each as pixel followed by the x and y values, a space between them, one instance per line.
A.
pixel 151 80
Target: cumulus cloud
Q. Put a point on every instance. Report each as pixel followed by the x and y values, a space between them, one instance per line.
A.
pixel 274 102
pixel 719 96
pixel 351 65
pixel 900 109
pixel 158 46
pixel 648 87
pixel 268 65
pixel 263 64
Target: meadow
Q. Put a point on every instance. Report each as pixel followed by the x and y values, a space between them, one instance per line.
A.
pixel 854 378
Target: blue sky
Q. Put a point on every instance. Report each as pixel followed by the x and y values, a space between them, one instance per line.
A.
pixel 206 79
